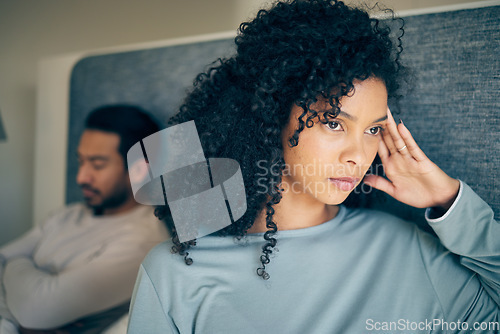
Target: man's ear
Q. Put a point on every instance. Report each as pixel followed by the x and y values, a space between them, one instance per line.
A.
pixel 138 171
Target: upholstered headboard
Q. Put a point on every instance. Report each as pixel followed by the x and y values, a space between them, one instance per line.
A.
pixel 453 110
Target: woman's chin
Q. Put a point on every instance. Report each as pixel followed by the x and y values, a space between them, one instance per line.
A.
pixel 336 198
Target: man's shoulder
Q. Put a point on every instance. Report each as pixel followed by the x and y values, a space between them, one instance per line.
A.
pixel 142 226
pixel 139 218
pixel 145 212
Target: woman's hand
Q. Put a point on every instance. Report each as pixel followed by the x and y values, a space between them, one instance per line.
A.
pixel 414 179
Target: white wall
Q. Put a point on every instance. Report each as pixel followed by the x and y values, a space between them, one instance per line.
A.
pixel 34 30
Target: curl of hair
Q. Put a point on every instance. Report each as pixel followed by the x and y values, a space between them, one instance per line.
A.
pixel 294 53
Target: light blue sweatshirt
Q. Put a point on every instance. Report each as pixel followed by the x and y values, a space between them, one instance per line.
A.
pixel 362 272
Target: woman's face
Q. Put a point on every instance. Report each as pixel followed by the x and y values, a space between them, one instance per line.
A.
pixel 331 159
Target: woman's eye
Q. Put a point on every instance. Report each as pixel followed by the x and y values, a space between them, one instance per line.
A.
pixel 375 130
pixel 332 125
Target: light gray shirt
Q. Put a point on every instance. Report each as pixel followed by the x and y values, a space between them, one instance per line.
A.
pixel 75 264
pixel 362 272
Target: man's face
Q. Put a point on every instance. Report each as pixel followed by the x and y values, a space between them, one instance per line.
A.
pixel 102 174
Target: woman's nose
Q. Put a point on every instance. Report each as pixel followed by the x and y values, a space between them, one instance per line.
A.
pixel 354 152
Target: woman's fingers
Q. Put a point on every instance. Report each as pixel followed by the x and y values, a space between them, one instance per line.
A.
pixel 383 151
pixel 398 139
pixel 411 145
pixel 379 183
pixel 387 136
pixel 398 143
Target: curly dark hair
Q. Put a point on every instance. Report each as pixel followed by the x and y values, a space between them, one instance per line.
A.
pixel 294 53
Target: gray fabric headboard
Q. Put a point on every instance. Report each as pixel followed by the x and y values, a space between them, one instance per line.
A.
pixel 453 110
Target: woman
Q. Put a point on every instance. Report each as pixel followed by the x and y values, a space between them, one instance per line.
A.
pixel 303 107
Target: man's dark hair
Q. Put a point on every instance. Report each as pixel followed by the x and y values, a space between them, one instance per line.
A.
pixel 130 122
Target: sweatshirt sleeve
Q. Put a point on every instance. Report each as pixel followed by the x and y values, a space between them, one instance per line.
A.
pixel 146 311
pixel 471 237
pixel 42 300
pixel 23 246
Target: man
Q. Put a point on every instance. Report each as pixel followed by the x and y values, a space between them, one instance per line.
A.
pixel 77 270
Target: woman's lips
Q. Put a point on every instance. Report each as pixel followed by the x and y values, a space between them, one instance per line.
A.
pixel 345 183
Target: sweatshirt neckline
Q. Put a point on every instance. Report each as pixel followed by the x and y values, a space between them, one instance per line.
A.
pixel 309 230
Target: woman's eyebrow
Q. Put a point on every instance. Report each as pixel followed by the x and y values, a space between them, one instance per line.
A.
pixel 380 119
pixel 348 116
pixel 354 118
